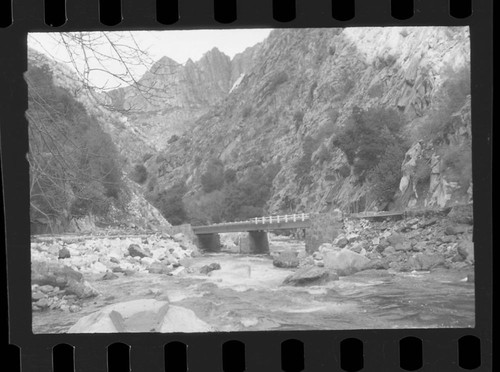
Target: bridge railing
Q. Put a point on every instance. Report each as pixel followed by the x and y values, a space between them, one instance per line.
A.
pixel 278 219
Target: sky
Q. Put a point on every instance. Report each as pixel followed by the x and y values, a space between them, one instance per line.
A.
pixel 178 45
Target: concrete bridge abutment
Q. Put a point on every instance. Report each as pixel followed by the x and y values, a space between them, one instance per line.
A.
pixel 209 242
pixel 254 243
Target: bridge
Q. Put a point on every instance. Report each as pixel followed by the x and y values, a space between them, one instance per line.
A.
pixel 256 240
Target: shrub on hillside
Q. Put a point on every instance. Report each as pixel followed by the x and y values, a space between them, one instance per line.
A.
pixel 367 135
pixel 386 176
pixel 74 165
pixel 213 178
pixel 169 203
pixel 456 164
pixel 139 174
pixel 450 99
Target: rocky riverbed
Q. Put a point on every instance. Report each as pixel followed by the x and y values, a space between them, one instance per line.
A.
pixel 413 273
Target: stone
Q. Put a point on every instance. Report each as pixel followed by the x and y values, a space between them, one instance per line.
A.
pixel 158 268
pixel 114 260
pixel 462 214
pixel 389 251
pixel 425 261
pixel 471 278
pixel 179 319
pixel 342 242
pixel 357 248
pixel 64 253
pixel 135 250
pixel 345 262
pixel 147 260
pixel 43 303
pixel 37 296
pixel 286 259
pixel 208 268
pixel 46 288
pixel 419 246
pixel 109 276
pixel 428 222
pixel 403 246
pixel 395 239
pixel 446 239
pixel 82 290
pixel 455 230
pixel 465 249
pixel 377 264
pixel 308 275
pixel 412 222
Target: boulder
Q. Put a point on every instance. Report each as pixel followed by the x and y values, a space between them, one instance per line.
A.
pixel 35 296
pixel 82 290
pixel 428 222
pixel 208 268
pixel 286 259
pixel 342 242
pixel 389 251
pixel 425 262
pixel 403 246
pixel 465 249
pixel 395 239
pixel 420 246
pixel 345 262
pixel 109 276
pixel 54 273
pixel 179 319
pixel 64 253
pixel 144 315
pixel 357 248
pixel 462 214
pixel 158 268
pixel 309 275
pixel 376 264
pixel 455 229
pixel 135 250
pixel 46 288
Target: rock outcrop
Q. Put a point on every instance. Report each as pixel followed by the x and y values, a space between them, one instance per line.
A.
pixel 301 90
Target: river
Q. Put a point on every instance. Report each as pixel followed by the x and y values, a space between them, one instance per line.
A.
pixel 246 295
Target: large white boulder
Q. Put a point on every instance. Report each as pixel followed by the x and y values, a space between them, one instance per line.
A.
pixel 144 315
pixel 344 262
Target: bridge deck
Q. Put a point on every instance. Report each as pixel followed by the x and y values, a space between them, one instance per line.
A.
pixel 298 221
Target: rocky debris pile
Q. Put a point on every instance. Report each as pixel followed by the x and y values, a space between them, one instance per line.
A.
pixel 57 286
pixel 144 315
pixel 416 243
pixel 61 264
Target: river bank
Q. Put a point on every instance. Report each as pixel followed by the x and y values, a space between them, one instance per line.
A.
pixel 235 292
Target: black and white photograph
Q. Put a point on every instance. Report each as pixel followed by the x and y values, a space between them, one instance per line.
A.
pixel 250 180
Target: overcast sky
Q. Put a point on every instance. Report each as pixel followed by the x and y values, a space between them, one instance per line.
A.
pixel 178 45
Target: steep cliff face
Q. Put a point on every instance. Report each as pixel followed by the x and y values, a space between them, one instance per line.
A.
pixel 170 97
pixel 80 152
pixel 305 89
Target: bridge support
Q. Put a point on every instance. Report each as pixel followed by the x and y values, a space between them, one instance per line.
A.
pixel 324 229
pixel 209 242
pixel 255 242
